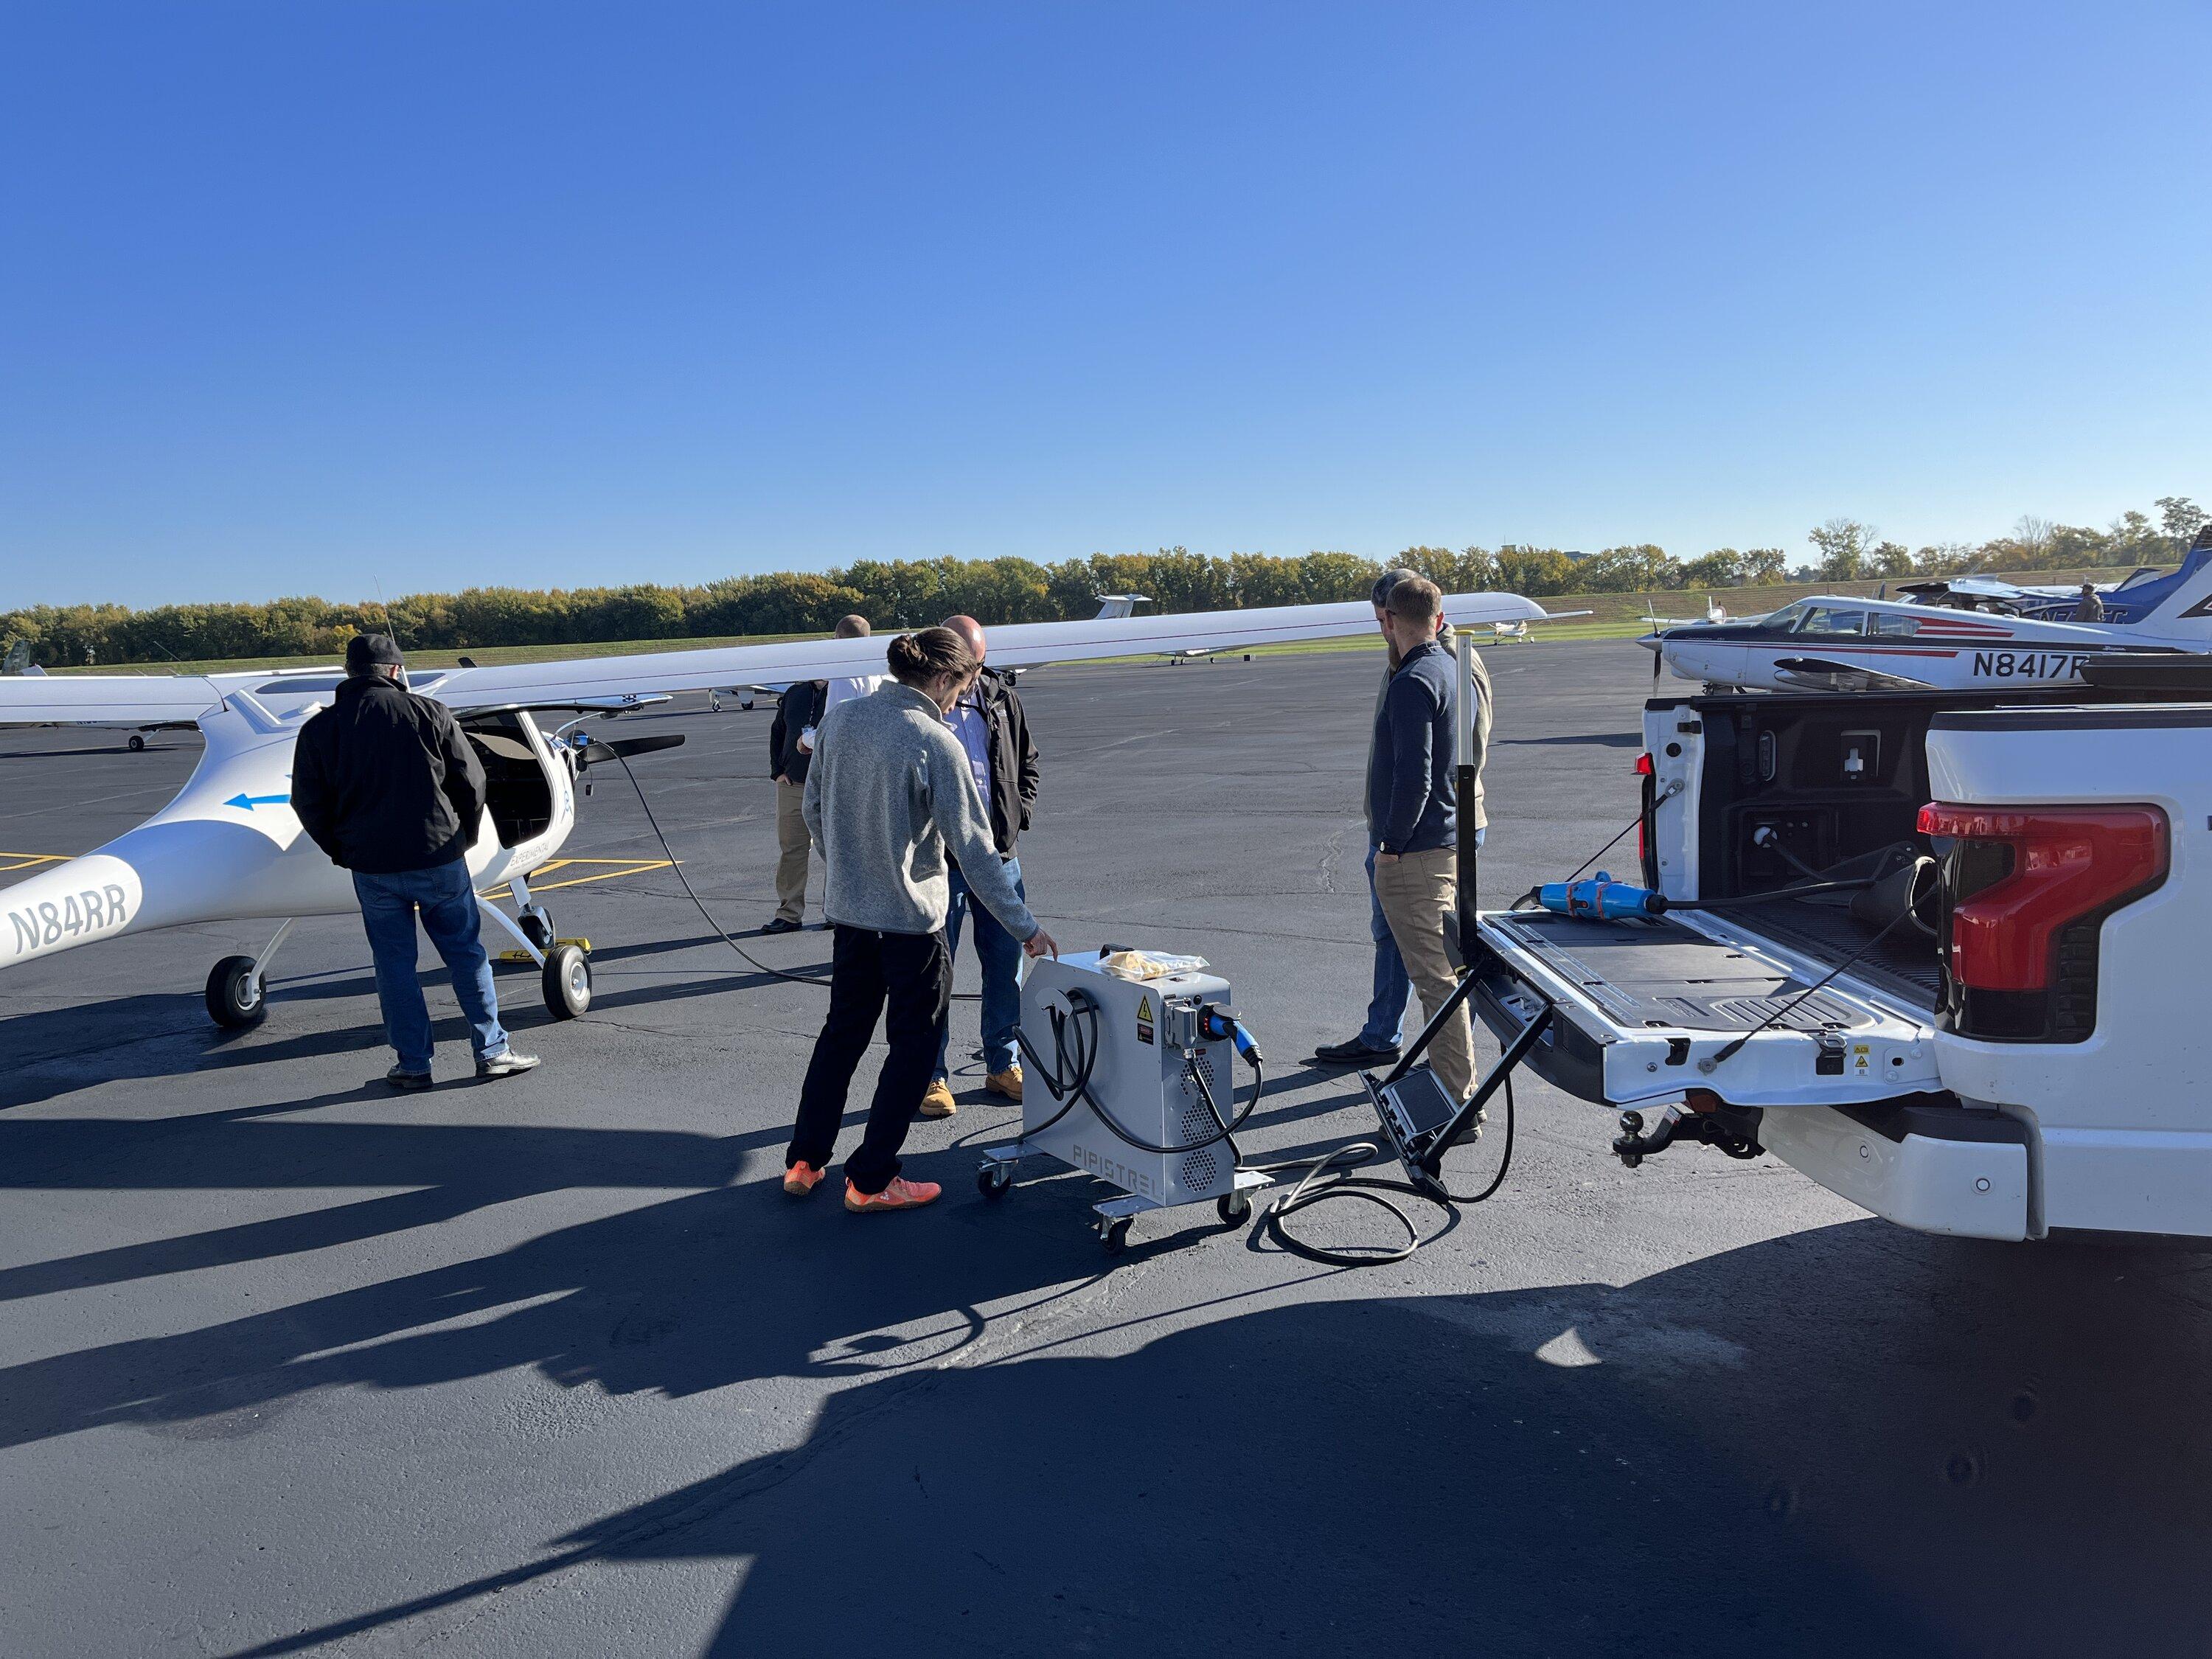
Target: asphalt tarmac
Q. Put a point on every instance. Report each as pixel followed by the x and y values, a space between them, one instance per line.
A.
pixel 291 1363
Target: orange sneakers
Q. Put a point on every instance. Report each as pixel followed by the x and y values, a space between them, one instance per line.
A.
pixel 801 1179
pixel 900 1194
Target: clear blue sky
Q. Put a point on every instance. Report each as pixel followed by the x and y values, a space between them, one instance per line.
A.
pixel 309 295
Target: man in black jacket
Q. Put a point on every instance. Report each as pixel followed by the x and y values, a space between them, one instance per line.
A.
pixel 1002 758
pixel 798 710
pixel 384 783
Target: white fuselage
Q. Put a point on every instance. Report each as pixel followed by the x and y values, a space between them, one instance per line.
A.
pixel 1843 644
pixel 229 847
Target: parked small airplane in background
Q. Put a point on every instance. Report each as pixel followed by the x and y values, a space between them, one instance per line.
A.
pixel 1839 644
pixel 228 847
pixel 2126 601
pixel 1715 612
pixel 1113 605
pixel 18 662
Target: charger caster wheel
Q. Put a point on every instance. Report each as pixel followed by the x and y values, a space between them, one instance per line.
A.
pixel 993 1180
pixel 235 998
pixel 536 926
pixel 1113 1235
pixel 1233 1207
pixel 568 981
pixel 137 743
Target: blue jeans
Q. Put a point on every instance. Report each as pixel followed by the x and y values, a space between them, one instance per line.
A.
pixel 1000 953
pixel 447 900
pixel 1386 1008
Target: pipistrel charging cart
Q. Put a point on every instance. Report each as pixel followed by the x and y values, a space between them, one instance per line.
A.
pixel 1132 1082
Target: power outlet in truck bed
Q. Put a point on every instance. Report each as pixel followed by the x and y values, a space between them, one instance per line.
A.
pixel 1805 836
pixel 1861 757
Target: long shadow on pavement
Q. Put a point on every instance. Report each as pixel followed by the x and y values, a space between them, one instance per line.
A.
pixel 2002 1457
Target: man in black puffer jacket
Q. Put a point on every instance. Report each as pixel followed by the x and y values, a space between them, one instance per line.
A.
pixel 384 783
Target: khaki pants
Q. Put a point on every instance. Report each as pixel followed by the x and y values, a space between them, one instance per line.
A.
pixel 1418 892
pixel 791 836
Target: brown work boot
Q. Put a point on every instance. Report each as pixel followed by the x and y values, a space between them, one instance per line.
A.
pixel 1008 1082
pixel 937 1099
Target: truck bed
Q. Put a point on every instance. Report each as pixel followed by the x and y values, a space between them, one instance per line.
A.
pixel 1904 963
pixel 1659 973
pixel 1643 1008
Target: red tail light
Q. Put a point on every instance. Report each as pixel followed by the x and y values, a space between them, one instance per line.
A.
pixel 1646 771
pixel 2027 890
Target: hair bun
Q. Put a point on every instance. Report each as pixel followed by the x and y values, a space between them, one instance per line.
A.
pixel 917 658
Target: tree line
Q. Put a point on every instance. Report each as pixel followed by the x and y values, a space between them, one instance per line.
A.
pixel 908 593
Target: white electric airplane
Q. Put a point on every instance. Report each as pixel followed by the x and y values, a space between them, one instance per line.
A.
pixel 228 847
pixel 1842 644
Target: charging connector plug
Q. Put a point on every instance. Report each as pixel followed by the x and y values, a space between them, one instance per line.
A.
pixel 1219 1023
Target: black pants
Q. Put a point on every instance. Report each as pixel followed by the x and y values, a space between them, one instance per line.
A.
pixel 915 971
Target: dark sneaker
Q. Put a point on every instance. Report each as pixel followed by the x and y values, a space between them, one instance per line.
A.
pixel 506 1064
pixel 400 1078
pixel 781 925
pixel 1354 1053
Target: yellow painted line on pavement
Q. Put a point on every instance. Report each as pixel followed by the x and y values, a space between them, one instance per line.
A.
pixel 25 860
pixel 621 868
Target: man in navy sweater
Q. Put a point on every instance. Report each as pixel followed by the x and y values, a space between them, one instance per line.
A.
pixel 1414 813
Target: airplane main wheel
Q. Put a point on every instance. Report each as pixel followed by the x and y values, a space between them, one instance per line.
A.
pixel 568 981
pixel 235 998
pixel 137 743
pixel 536 926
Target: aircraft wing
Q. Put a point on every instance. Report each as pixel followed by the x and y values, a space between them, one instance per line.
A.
pixel 1823 674
pixel 105 700
pixel 1023 644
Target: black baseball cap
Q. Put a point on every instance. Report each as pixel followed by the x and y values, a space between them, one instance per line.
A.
pixel 368 651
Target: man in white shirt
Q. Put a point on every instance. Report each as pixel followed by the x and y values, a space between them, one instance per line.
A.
pixel 855 627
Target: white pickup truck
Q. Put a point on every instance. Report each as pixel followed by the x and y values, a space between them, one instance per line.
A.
pixel 2036 1058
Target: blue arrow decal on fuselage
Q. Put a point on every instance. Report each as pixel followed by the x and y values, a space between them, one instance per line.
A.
pixel 247 803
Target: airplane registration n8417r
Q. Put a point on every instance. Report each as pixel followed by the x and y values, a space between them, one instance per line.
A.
pixel 229 847
pixel 1843 644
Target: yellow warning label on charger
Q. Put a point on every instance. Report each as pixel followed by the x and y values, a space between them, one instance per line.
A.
pixel 1145 1017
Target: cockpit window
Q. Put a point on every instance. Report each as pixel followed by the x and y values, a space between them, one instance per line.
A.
pixel 301 685
pixel 1823 619
pixel 1887 625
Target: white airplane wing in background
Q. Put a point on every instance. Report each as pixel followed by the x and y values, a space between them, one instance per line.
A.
pixel 1024 645
pixel 591 682
pixel 105 699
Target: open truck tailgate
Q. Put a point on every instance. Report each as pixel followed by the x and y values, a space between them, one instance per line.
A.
pixel 1644 1010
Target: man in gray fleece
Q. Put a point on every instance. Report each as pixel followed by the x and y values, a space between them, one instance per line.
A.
pixel 888 788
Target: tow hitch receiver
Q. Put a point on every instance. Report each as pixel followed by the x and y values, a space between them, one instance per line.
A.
pixel 1723 1129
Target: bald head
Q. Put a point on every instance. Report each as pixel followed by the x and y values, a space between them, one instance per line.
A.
pixel 971 632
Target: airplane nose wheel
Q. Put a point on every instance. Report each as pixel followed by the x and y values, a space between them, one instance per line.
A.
pixel 235 998
pixel 568 981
